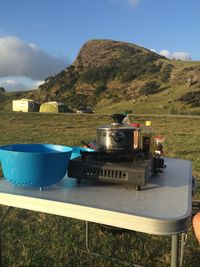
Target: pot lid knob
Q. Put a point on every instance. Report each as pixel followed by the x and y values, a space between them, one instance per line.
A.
pixel 118 118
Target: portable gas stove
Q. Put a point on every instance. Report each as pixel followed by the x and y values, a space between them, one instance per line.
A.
pixel 131 168
pixel 120 157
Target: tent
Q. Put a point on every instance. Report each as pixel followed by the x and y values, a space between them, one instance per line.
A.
pixel 25 105
pixel 54 107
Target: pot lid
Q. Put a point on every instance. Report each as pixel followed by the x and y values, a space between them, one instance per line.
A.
pixel 117 123
pixel 116 127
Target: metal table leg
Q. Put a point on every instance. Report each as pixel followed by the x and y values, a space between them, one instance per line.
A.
pixel 120 261
pixel 87 236
pixel 183 242
pixel 175 251
pixel 176 258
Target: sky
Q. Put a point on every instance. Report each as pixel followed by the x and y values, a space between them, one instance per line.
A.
pixel 39 38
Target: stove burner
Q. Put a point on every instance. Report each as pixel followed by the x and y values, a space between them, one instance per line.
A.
pixel 113 155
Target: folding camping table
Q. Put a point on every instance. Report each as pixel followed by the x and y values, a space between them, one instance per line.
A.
pixel 162 207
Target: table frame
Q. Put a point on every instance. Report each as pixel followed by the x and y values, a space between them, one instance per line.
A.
pixel 176 256
pixel 176 228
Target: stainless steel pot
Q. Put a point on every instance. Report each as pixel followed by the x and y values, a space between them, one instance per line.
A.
pixel 117 136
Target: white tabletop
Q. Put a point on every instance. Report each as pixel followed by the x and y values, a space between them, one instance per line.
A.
pixel 162 207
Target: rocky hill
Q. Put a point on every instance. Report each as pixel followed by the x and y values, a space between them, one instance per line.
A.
pixel 116 74
pixel 102 69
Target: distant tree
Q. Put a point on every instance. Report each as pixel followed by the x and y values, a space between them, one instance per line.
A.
pixel 2 90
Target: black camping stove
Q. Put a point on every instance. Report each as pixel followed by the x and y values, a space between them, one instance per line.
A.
pixel 131 168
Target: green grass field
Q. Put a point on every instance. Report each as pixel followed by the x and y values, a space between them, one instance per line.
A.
pixel 38 239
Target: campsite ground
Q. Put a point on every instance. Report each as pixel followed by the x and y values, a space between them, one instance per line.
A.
pixel 38 239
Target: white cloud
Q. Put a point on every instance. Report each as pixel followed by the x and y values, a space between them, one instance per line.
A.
pixel 18 58
pixel 175 55
pixel 131 3
pixel 181 55
pixel 19 83
pixel 165 53
pixel 37 83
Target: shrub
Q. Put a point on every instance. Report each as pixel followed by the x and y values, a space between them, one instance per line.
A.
pixel 127 76
pixel 99 90
pixel 151 87
pixel 95 74
pixel 192 98
pixel 166 73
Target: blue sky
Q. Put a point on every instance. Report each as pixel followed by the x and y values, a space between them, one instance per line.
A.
pixel 38 38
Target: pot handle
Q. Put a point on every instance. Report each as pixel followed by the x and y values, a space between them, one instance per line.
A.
pixel 118 137
pixel 118 118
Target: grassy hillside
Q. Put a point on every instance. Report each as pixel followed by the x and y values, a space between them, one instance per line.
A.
pixel 38 239
pixel 112 76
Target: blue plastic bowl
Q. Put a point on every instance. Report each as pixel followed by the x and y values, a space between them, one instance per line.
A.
pixel 34 165
pixel 76 152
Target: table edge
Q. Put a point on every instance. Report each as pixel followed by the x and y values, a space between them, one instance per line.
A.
pixel 112 218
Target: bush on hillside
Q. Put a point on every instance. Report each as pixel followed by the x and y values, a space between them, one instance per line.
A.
pixel 191 98
pixel 154 68
pixel 62 88
pixel 95 74
pixel 166 73
pixel 99 90
pixel 151 87
pixel 128 76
